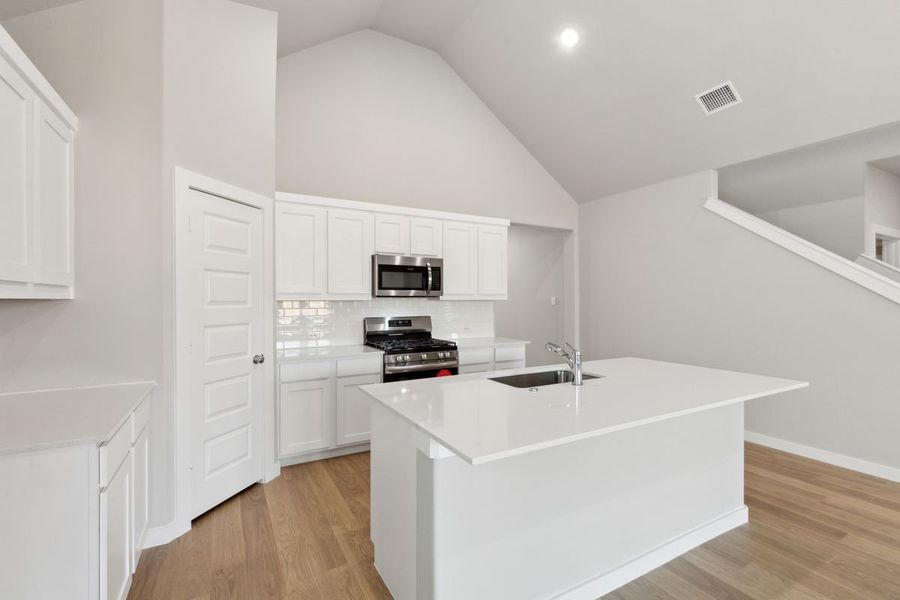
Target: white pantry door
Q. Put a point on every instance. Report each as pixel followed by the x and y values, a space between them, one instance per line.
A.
pixel 224 333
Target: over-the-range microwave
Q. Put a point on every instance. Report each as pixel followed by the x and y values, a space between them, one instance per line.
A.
pixel 406 276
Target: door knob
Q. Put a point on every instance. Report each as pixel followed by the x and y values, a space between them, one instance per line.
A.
pixel 259 359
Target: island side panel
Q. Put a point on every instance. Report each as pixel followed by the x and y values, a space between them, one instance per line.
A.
pixel 579 520
pixel 394 499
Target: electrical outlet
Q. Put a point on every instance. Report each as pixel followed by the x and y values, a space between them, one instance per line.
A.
pixel 314 334
pixel 552 300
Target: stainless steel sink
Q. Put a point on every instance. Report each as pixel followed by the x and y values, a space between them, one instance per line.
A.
pixel 530 380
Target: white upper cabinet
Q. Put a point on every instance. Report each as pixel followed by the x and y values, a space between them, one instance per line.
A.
pixel 300 248
pixel 492 261
pixel 16 106
pixel 350 250
pixel 426 237
pixel 391 234
pixel 37 189
pixel 54 198
pixel 324 248
pixel 460 260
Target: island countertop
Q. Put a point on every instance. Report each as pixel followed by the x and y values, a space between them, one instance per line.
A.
pixel 482 420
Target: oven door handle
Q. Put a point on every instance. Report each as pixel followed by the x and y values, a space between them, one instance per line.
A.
pixel 444 364
pixel 430 279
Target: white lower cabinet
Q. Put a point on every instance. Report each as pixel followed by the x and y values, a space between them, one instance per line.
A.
pixel 321 407
pixel 140 492
pixel 353 406
pixel 115 534
pixel 307 421
pixel 75 524
pixel 490 358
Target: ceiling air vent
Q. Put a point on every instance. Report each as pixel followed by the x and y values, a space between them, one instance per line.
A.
pixel 718 98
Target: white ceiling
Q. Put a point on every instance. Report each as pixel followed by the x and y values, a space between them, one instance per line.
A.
pixel 306 23
pixel 618 111
pixel 833 170
pixel 9 9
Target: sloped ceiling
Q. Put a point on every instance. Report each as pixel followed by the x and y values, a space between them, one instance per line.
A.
pixel 10 9
pixel 618 111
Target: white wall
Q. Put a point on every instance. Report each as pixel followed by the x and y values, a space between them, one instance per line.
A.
pixel 838 226
pixel 102 56
pixel 537 257
pixel 155 83
pixel 219 102
pixel 373 118
pixel 882 204
pixel 664 278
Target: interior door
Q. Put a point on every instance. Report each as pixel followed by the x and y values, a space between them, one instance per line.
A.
pixel 225 343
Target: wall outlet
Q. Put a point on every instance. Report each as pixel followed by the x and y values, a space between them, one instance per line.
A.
pixel 552 300
pixel 314 334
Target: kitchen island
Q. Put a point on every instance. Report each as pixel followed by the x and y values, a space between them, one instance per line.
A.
pixel 485 491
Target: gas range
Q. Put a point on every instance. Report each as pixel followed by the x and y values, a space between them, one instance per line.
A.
pixel 409 350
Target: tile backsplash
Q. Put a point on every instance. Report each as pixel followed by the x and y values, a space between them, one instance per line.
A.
pixel 310 323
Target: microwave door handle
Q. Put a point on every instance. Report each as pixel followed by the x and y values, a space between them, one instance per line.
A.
pixel 430 276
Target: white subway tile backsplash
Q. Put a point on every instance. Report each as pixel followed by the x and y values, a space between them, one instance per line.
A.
pixel 311 323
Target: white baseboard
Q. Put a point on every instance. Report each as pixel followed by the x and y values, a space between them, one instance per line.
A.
pixel 297 459
pixel 163 534
pixel 825 456
pixel 643 564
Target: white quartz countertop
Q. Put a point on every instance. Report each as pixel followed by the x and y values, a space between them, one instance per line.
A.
pixel 482 420
pixel 463 343
pixel 324 352
pixel 43 419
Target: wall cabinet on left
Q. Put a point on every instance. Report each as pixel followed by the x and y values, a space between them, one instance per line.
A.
pixel 37 181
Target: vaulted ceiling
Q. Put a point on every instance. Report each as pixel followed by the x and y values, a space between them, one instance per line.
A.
pixel 618 110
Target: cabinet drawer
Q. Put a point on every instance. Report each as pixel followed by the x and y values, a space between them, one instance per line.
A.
pixel 476 355
pixel 370 365
pixel 140 420
pixel 506 353
pixel 115 451
pixel 307 371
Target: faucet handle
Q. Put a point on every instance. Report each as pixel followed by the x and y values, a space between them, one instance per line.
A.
pixel 571 348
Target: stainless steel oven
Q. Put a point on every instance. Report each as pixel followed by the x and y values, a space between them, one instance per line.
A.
pixel 406 276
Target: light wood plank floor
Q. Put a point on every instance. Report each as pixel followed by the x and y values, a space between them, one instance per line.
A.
pixel 815 532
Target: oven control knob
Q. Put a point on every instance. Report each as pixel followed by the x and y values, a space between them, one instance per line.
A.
pixel 440 355
pixel 406 358
pixel 424 356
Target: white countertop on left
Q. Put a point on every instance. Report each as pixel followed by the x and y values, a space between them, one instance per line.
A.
pixel 482 420
pixel 43 419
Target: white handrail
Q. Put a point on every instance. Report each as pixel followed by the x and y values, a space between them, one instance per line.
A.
pixel 872 281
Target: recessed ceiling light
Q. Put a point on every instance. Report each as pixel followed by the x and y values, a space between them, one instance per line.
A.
pixel 568 38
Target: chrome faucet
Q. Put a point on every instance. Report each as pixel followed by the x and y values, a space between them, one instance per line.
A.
pixel 572 358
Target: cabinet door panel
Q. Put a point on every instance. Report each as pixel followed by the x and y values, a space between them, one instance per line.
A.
pixel 391 234
pixel 115 535
pixel 307 416
pixel 460 259
pixel 54 198
pixel 353 406
pixel 426 237
pixel 350 250
pixel 140 494
pixel 300 261
pixel 16 108
pixel 492 261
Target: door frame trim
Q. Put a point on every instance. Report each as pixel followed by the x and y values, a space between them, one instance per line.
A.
pixel 184 182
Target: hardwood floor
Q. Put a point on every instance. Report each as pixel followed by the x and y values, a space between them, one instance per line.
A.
pixel 815 532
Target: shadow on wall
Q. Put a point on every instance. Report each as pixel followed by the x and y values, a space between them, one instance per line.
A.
pixel 536 277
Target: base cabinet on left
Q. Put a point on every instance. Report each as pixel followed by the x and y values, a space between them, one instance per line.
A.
pixel 72 518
